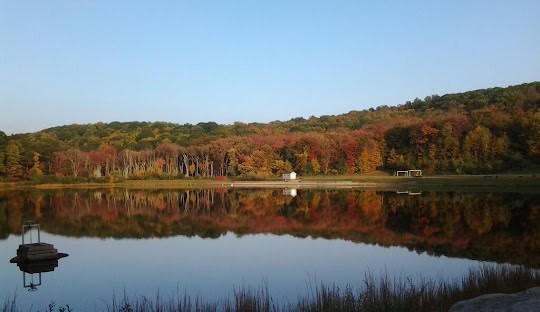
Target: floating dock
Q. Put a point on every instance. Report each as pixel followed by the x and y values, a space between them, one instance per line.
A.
pixel 35 252
pixel 35 258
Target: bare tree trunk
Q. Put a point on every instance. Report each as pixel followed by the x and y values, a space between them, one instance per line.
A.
pixel 186 163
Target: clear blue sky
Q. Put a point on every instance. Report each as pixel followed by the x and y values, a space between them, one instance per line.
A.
pixel 65 62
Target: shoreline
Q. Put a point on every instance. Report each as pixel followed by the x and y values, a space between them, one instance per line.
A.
pixel 506 182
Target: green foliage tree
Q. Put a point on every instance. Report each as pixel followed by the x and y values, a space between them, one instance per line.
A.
pixel 2 163
pixel 534 137
pixel 392 159
pixel 232 167
pixel 13 160
pixel 448 149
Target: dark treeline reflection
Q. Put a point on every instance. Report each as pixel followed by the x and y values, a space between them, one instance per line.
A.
pixel 487 226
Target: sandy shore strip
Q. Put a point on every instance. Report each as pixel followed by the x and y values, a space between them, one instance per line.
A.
pixel 301 184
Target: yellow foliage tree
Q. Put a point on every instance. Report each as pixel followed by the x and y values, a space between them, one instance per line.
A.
pixel 36 170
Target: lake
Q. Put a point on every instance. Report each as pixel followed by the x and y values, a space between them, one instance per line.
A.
pixel 207 242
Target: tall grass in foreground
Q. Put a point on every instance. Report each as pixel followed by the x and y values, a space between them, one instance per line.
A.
pixel 374 294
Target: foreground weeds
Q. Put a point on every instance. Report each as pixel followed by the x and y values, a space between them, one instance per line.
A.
pixel 381 293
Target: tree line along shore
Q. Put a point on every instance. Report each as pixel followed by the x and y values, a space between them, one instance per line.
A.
pixel 478 132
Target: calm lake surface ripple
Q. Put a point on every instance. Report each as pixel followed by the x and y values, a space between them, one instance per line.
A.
pixel 207 242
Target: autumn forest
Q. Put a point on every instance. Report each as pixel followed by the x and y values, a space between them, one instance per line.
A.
pixel 481 131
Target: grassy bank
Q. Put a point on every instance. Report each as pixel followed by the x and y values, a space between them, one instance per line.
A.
pixel 384 293
pixel 378 181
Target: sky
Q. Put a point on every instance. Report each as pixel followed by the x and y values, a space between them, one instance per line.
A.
pixel 81 61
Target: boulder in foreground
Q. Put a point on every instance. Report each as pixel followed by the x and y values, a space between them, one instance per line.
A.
pixel 525 301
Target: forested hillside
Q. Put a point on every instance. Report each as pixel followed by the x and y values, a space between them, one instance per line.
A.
pixel 473 132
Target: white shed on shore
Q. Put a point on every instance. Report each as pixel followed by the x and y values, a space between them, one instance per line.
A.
pixel 289 176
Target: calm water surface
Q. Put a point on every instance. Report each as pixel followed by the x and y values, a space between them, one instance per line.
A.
pixel 206 242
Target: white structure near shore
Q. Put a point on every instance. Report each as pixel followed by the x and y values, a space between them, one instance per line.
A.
pixel 408 173
pixel 290 192
pixel 289 176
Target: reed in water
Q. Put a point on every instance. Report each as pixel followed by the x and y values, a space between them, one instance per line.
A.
pixel 382 293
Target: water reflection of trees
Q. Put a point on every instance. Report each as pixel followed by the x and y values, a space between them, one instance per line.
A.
pixel 491 226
